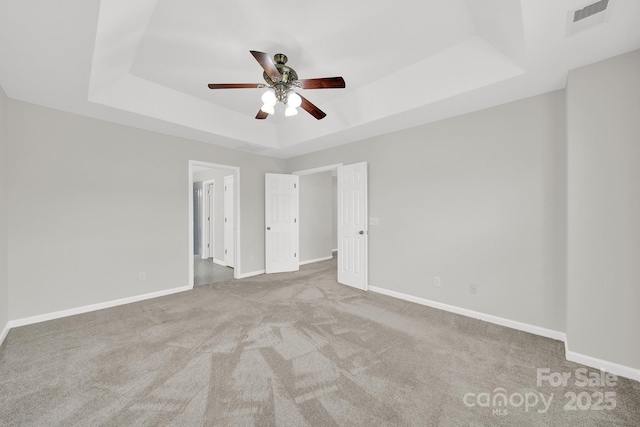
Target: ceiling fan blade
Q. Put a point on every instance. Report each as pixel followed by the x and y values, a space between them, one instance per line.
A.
pixel 261 115
pixel 323 83
pixel 267 64
pixel 312 109
pixel 234 85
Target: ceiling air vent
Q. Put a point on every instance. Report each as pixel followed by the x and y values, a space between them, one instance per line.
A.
pixel 592 9
pixel 588 16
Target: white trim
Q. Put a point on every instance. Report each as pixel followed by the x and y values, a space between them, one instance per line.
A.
pixel 250 274
pixel 4 333
pixel 317 170
pixel 231 224
pixel 219 262
pixel 236 213
pixel 603 365
pixel 334 250
pixel 537 330
pixel 621 370
pixel 93 307
pixel 311 261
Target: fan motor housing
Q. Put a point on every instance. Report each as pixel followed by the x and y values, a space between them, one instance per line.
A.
pixel 288 74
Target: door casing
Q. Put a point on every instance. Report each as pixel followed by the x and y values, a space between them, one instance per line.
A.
pixel 229 221
pixel 236 213
pixel 364 219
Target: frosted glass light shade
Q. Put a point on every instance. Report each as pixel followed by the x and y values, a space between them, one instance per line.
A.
pixel 269 109
pixel 269 97
pixel 290 111
pixel 294 100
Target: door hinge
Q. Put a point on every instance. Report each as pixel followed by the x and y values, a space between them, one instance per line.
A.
pixel 225 251
pixel 225 188
pixel 295 255
pixel 294 185
pixel 225 220
pixel 208 218
pixel 295 220
pixel 208 245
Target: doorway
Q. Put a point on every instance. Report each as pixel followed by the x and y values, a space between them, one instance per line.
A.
pixel 346 226
pixel 213 226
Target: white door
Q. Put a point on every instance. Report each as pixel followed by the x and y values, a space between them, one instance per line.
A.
pixel 228 221
pixel 281 223
pixel 208 229
pixel 352 225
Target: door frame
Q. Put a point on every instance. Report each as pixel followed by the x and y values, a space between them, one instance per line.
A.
pixel 236 213
pixel 225 209
pixel 327 168
pixel 317 170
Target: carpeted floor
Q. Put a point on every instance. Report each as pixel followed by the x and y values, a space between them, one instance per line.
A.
pixel 294 349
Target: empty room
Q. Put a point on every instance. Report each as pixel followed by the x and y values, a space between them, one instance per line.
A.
pixel 419 213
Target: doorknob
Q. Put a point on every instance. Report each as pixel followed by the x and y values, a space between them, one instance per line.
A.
pixel 361 232
pixel 268 228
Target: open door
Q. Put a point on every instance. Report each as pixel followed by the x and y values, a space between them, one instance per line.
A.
pixel 208 229
pixel 281 223
pixel 352 225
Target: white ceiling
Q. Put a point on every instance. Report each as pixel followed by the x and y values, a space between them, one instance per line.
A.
pixel 146 63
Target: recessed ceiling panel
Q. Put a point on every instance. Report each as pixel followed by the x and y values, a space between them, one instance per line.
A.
pixel 189 44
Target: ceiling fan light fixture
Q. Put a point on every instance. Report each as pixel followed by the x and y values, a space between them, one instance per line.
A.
pixel 268 108
pixel 294 100
pixel 269 98
pixel 281 83
pixel 290 111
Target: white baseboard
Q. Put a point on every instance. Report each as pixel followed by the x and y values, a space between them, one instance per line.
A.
pixel 217 261
pixel 603 365
pixel 537 330
pixel 311 261
pixel 334 250
pixel 93 307
pixel 250 274
pixel 623 371
pixel 4 333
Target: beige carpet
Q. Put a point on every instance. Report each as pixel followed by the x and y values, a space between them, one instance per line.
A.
pixel 292 350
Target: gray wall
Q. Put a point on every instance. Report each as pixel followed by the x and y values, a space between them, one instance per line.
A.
pixel 98 202
pixel 4 287
pixel 603 128
pixel 218 216
pixel 316 221
pixel 477 199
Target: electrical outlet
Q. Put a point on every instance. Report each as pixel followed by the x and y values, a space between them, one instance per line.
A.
pixel 473 289
pixel 436 281
pixel 142 276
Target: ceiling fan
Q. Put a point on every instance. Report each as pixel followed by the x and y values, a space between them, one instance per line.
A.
pixel 282 81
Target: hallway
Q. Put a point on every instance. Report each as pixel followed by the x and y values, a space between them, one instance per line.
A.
pixel 205 271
